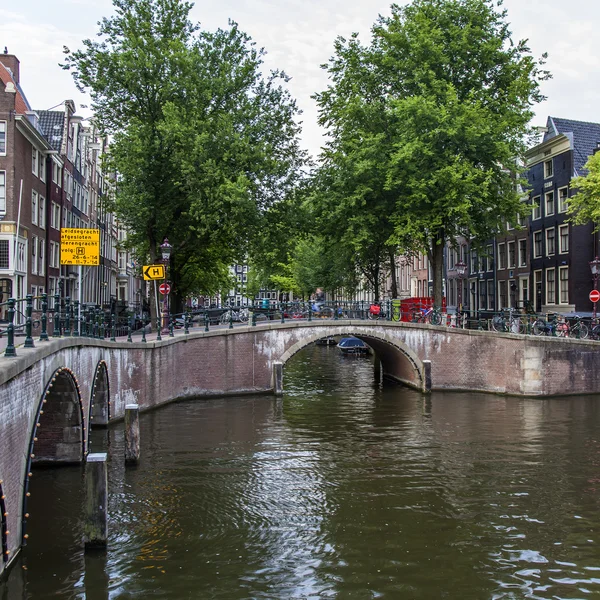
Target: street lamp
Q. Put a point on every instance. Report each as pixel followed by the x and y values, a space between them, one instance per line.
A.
pixel 461 269
pixel 595 267
pixel 165 249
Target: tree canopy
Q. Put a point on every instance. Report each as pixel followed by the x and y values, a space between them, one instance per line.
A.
pixel 584 206
pixel 426 125
pixel 203 143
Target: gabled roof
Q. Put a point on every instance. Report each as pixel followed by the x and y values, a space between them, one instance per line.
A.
pixel 52 125
pixel 21 104
pixel 585 137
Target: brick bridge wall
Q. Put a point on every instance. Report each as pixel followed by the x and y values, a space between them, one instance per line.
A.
pixel 70 372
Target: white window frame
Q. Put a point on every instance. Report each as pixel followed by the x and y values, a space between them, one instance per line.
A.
pixel 547 196
pixel 34 250
pixel 536 212
pixel 34 160
pixel 522 258
pixel 514 249
pixel 2 192
pixel 563 198
pixel 41 212
pixel 42 257
pixel 502 263
pixel 561 270
pixel 534 249
pixel 548 271
pixel 562 250
pixel 3 137
pixel 34 207
pixel 553 230
pixel 548 169
pixel 41 167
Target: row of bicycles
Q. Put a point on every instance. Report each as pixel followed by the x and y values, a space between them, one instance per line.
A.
pixel 511 321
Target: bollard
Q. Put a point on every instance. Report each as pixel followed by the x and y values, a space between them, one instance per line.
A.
pixel 309 311
pixel 56 325
pixel 230 317
pixel 95 526
pixel 129 329
pixel 158 326
pixel 143 332
pixel 113 328
pixel 132 433
pixel 427 376
pixel 171 326
pixel 205 320
pixel 10 329
pixel 67 315
pixel 282 309
pixel 44 334
pixel 186 323
pixel 28 323
pixel 278 378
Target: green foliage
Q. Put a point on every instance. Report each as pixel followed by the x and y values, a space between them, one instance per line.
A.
pixel 204 144
pixel 426 125
pixel 584 206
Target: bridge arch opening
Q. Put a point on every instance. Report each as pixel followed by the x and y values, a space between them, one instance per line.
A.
pixel 4 525
pixel 100 398
pixel 58 434
pixel 398 361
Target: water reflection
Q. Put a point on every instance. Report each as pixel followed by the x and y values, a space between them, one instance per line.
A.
pixel 345 487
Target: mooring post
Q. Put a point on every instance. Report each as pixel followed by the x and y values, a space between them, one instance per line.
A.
pixel 278 378
pixel 132 433
pixel 95 527
pixel 426 375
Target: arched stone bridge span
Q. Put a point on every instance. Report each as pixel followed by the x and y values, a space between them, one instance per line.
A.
pixel 51 394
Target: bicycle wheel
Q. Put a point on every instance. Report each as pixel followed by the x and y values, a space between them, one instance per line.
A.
pixel 582 331
pixel 595 332
pixel 517 326
pixel 326 312
pixel 498 324
pixel 538 327
pixel 435 318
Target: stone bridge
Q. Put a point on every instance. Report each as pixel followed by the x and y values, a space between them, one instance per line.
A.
pixel 52 394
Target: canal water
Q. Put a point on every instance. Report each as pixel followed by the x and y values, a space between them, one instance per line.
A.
pixel 344 488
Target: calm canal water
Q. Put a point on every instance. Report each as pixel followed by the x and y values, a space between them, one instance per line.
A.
pixel 344 488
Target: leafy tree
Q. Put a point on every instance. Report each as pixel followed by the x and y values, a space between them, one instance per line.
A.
pixel 203 143
pixel 584 206
pixel 432 117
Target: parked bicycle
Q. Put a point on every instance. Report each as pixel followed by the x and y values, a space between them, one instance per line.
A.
pixel 547 327
pixel 428 315
pixel 508 321
pixel 376 312
pixel 577 328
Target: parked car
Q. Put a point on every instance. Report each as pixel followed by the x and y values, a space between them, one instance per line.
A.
pixel 352 345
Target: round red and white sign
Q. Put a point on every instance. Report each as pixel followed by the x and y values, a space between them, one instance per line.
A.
pixel 595 296
pixel 164 288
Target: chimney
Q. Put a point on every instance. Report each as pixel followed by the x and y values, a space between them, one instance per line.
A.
pixel 11 62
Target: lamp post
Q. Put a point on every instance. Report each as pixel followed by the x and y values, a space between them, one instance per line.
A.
pixel 165 250
pixel 461 269
pixel 595 268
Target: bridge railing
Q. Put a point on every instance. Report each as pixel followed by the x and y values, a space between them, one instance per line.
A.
pixel 57 317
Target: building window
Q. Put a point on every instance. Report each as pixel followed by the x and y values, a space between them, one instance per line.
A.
pixel 4 254
pixel 522 253
pixel 501 256
pixel 563 277
pixel 490 259
pixel 41 167
pixel 34 160
pixel 536 211
pixel 549 204
pixel 512 259
pixel 2 191
pixel 41 257
pixel 42 212
pixel 34 207
pixel 473 262
pixel 550 287
pixel 55 216
pixel 3 138
pixel 548 169
pixel 490 294
pixel 537 244
pixel 502 295
pixel 34 263
pixel 563 232
pixel 562 199
pixel 550 242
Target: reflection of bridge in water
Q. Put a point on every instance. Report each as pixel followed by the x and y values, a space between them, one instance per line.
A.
pixel 51 394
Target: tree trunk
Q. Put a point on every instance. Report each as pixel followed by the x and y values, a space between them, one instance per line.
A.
pixel 437 268
pixel 394 290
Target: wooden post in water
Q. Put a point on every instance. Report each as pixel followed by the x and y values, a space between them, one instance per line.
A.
pixel 278 378
pixel 132 433
pixel 95 527
pixel 426 376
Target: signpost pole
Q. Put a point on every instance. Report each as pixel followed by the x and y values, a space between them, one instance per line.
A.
pixel 158 315
pixel 79 301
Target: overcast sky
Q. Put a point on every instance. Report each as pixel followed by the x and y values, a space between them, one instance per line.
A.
pixel 298 36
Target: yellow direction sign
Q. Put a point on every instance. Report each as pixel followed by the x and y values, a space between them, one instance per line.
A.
pixel 80 247
pixel 151 272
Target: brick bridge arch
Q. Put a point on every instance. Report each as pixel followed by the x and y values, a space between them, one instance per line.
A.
pixel 398 360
